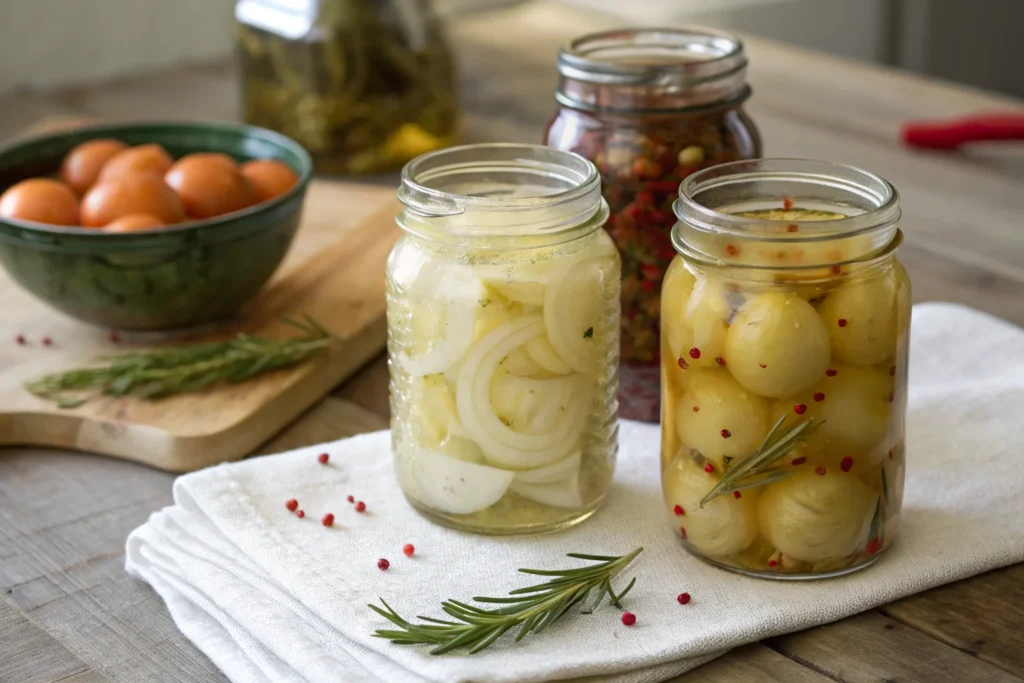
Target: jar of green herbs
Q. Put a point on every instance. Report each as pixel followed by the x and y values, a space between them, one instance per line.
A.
pixel 364 85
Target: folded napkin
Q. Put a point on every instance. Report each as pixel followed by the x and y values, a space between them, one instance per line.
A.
pixel 272 597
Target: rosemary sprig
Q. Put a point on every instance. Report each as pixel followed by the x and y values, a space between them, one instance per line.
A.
pixel 162 372
pixel 754 469
pixel 532 608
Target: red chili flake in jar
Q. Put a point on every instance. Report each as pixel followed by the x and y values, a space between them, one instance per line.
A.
pixel 873 546
pixel 772 563
pixel 323 458
pixel 890 397
pixel 408 549
pixel 360 506
pixel 628 618
pixel 383 564
pixel 787 203
pixel 720 361
pixel 819 397
pixel 647 285
pixel 799 461
pixel 679 511
pixel 709 468
pixel 892 370
pixel 820 471
pixel 695 353
pixel 792 228
pixel 291 504
pixel 683 598
pixel 683 364
pixel 682 530
pixel 846 464
pixel 841 322
pixel 890 453
pixel 762 365
pixel 328 520
pixel 114 337
pixel 799 408
pixel 831 372
pixel 731 250
pixel 836 270
pixel 726 433
pixel 737 495
pixel 696 409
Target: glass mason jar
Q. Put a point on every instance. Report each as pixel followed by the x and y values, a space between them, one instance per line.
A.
pixel 785 322
pixel 503 338
pixel 649 107
pixel 364 85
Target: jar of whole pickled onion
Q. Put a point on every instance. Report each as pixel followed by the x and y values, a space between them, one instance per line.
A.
pixel 649 107
pixel 785 321
pixel 503 338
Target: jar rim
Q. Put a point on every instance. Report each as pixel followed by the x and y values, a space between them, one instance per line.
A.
pixel 678 68
pixel 873 197
pixel 522 189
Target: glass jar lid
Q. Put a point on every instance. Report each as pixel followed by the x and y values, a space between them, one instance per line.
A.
pixel 652 69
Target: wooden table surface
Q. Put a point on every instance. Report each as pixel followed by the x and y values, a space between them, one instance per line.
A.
pixel 69 612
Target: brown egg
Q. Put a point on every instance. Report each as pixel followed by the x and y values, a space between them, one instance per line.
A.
pixel 82 165
pixel 41 200
pixel 142 158
pixel 269 178
pixel 209 186
pixel 133 193
pixel 134 222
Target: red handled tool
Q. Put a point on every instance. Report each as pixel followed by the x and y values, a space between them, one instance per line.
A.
pixel 956 132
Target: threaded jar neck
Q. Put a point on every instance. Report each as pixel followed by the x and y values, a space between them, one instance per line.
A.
pixel 652 70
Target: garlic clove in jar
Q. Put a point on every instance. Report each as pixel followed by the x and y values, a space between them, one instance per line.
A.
pixel 815 517
pixel 777 345
pixel 720 418
pixel 725 525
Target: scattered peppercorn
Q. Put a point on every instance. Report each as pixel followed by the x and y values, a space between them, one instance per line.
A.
pixel 628 618
pixel 383 564
pixel 683 598
pixel 360 506
pixel 291 504
pixel 350 498
pixel 328 520
pixel 323 458
pixel 300 513
pixel 47 341
pixel 20 339
pixel 408 549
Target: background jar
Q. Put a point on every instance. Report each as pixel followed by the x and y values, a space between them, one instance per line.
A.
pixel 649 107
pixel 363 85
pixel 785 305
pixel 503 324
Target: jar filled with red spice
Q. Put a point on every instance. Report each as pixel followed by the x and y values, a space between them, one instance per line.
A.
pixel 649 107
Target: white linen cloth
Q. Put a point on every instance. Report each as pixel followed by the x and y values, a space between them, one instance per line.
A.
pixel 271 597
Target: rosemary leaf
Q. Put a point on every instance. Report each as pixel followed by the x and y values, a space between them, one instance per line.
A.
pixel 758 462
pixel 531 609
pixel 185 369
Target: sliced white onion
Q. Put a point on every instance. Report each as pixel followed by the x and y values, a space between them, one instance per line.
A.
pixel 456 486
pixel 562 469
pixel 501 444
pixel 530 405
pixel 560 494
pixel 433 405
pixel 523 291
pixel 574 313
pixel 520 364
pixel 543 354
pixel 449 321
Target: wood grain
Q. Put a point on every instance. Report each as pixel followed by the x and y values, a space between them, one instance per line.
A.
pixel 870 647
pixel 334 275
pixel 30 655
pixel 754 662
pixel 982 616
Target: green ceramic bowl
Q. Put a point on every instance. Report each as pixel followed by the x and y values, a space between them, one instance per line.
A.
pixel 163 278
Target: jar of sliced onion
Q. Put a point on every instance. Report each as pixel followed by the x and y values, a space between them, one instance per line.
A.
pixel 503 338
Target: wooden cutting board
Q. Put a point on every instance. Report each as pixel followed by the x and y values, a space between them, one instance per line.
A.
pixel 334 272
